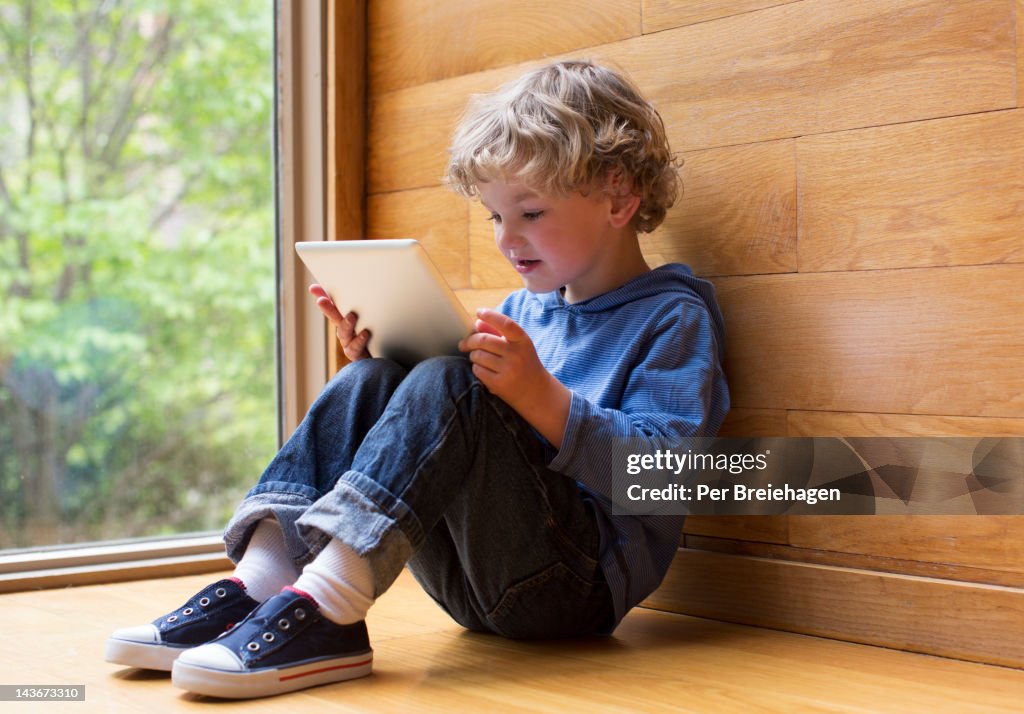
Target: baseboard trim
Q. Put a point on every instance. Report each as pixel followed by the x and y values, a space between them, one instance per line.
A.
pixel 968 621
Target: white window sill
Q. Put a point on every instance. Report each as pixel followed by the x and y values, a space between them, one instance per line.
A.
pixel 110 562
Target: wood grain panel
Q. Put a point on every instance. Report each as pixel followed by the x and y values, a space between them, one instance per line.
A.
pixel 756 529
pixel 754 422
pixel 737 214
pixel 992 542
pixel 881 563
pixel 419 41
pixel 409 130
pixel 824 65
pixel 665 14
pixel 802 423
pixel 944 192
pixel 1020 52
pixel 897 611
pixel 929 341
pixel 762 529
pixel 974 548
pixel 796 69
pixel 434 216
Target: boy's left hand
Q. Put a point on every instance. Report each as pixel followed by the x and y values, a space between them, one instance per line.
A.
pixel 504 357
pixel 505 361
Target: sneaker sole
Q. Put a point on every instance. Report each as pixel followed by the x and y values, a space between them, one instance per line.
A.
pixel 142 655
pixel 271 680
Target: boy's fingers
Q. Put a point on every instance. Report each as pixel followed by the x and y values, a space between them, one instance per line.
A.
pixel 357 345
pixel 357 341
pixel 481 326
pixel 485 359
pixel 483 342
pixel 504 324
pixel 320 293
pixel 481 372
pixel 328 308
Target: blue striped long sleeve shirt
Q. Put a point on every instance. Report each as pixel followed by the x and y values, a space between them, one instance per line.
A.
pixel 643 360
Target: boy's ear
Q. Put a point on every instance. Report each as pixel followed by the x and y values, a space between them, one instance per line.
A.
pixel 623 203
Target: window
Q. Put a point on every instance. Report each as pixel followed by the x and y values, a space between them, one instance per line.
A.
pixel 137 266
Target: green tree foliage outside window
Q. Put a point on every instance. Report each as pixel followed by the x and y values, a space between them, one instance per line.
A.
pixel 137 378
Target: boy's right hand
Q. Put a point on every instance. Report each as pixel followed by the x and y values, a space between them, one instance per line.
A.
pixel 353 344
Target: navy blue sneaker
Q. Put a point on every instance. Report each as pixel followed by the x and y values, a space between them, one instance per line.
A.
pixel 284 645
pixel 208 613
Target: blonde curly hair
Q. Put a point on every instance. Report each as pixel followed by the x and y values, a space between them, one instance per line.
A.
pixel 565 128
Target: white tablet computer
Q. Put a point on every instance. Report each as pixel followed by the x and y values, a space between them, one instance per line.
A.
pixel 398 293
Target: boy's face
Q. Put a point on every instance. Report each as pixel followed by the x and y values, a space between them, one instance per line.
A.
pixel 553 242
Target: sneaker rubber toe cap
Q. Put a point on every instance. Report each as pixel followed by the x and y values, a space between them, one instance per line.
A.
pixel 140 647
pixel 213 656
pixel 143 634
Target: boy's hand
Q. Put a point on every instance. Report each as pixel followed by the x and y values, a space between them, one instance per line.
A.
pixel 353 344
pixel 505 360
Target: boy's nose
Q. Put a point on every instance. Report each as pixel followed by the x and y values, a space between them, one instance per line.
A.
pixel 507 238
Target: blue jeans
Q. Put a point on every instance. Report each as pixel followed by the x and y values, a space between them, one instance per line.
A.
pixel 428 468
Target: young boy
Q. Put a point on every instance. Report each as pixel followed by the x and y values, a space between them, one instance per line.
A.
pixel 490 477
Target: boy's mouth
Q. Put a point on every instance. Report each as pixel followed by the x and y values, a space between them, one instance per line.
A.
pixel 525 266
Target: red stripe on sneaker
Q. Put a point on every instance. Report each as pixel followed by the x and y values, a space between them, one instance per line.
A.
pixel 325 669
pixel 302 593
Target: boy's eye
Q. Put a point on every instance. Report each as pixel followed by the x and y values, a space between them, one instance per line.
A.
pixel 527 216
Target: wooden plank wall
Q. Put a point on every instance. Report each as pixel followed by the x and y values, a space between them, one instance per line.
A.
pixel 854 187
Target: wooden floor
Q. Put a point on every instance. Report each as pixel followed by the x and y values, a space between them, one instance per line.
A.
pixel 655 662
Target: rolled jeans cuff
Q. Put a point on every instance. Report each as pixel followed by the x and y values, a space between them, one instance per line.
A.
pixel 284 501
pixel 366 517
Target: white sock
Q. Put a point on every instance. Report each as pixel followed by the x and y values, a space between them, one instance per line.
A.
pixel 265 566
pixel 341 582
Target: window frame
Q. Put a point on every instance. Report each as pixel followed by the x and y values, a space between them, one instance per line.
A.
pixel 319 120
